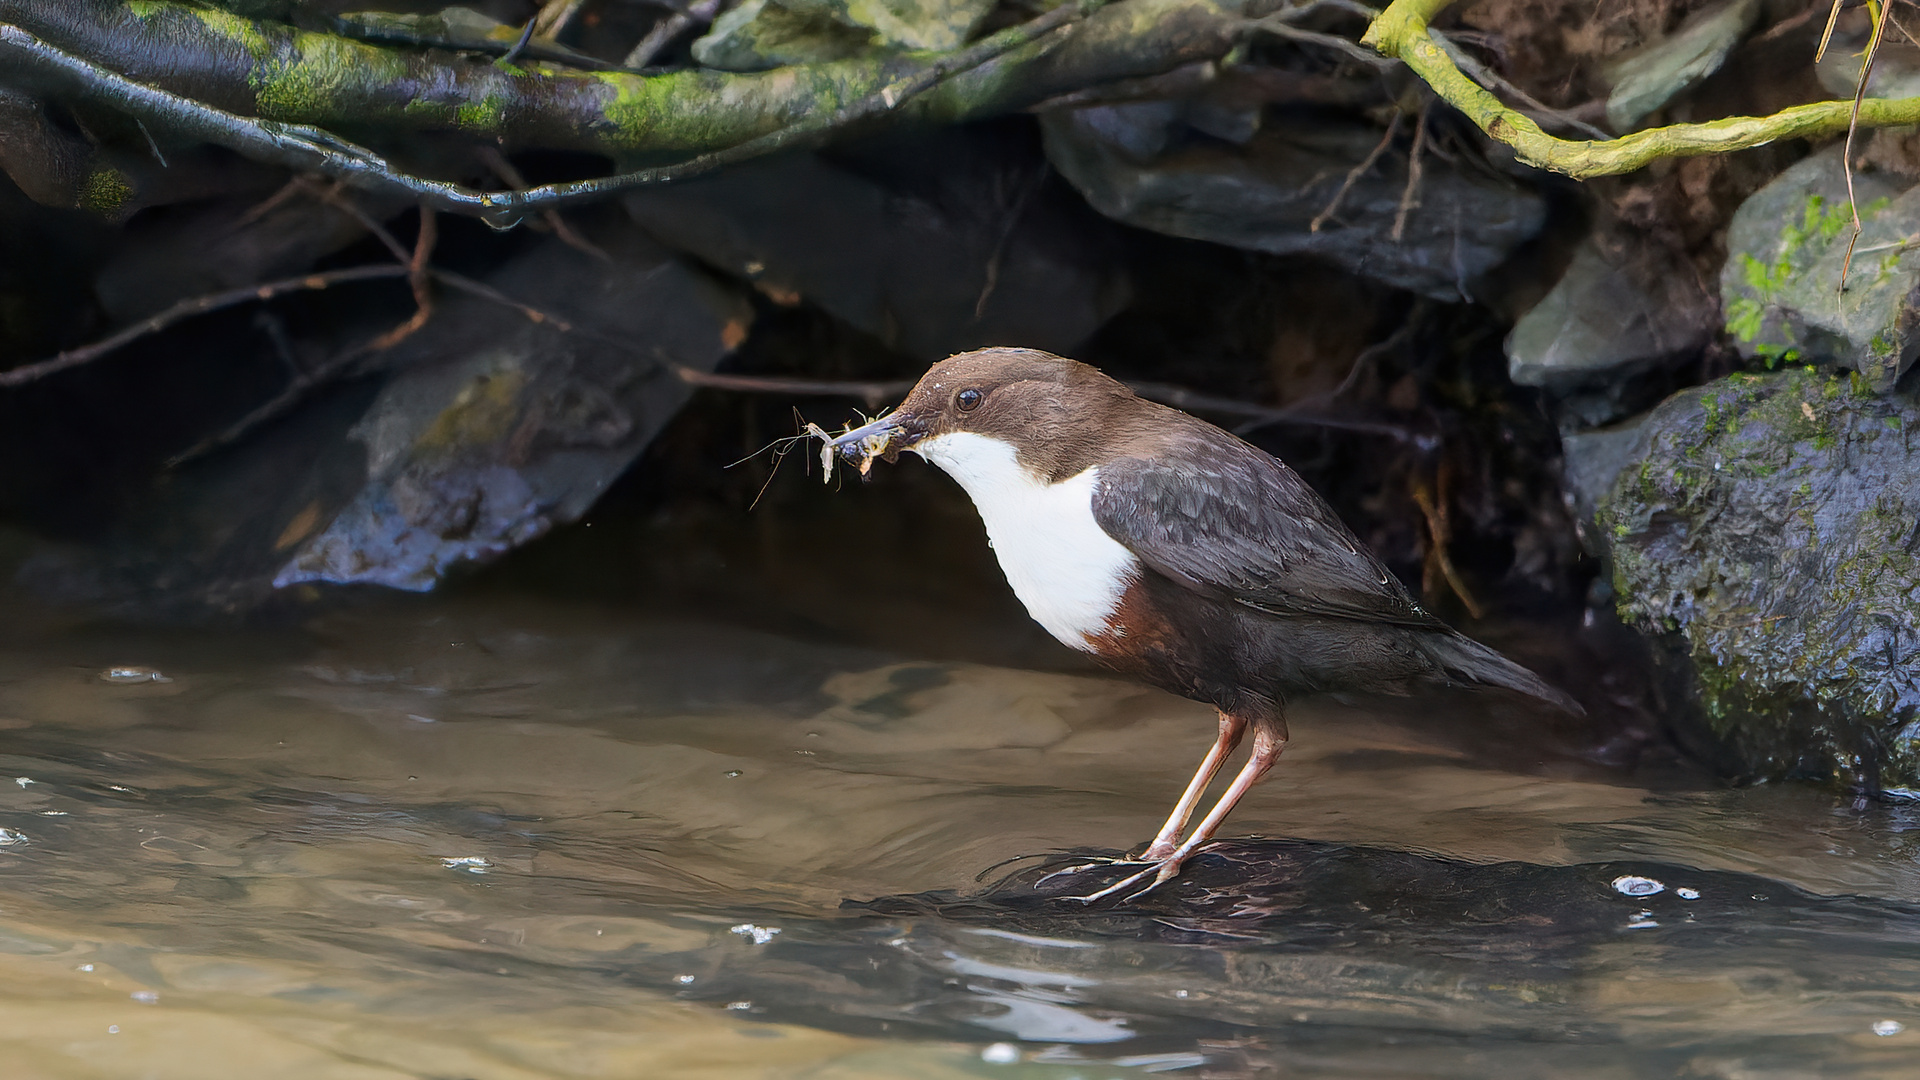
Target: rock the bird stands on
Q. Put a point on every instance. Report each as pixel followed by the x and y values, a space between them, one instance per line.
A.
pixel 1175 553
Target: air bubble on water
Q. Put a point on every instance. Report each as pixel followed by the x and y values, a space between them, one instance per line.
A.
pixel 133 674
pixel 113 1029
pixel 84 967
pixel 760 934
pixel 1884 1028
pixel 1687 894
pixel 1179 993
pixel 731 773
pixel 422 719
pixel 11 838
pixel 1000 1054
pixel 739 1006
pixel 1642 920
pixel 1633 885
pixel 23 781
pixel 472 864
pixel 683 980
pixel 145 997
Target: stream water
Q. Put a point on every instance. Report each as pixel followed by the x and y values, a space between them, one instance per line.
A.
pixel 514 839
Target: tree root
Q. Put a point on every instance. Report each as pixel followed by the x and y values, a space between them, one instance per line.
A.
pixel 1401 32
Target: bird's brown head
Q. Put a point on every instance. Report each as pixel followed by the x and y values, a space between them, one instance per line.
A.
pixel 1052 410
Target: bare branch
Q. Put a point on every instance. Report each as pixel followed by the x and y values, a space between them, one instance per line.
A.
pixel 186 309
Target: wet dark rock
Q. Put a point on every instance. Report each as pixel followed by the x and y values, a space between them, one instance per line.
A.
pixel 1767 529
pixel 1148 165
pixel 1617 312
pixel 490 429
pixel 1303 947
pixel 497 427
pixel 1645 81
pixel 196 251
pixel 1592 460
pixel 1786 248
pixel 952 243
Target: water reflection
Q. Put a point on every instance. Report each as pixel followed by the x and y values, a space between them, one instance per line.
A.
pixel 546 842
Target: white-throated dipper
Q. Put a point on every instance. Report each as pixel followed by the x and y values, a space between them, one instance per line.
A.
pixel 1176 553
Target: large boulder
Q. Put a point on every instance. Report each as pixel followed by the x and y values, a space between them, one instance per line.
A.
pixel 1766 529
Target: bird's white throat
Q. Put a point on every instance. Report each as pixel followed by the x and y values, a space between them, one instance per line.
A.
pixel 1062 565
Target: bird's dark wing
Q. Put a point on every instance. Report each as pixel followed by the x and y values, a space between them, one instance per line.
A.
pixel 1221 517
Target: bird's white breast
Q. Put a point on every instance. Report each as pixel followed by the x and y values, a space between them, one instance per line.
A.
pixel 1062 565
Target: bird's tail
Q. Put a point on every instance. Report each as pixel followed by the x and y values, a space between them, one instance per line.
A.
pixel 1468 661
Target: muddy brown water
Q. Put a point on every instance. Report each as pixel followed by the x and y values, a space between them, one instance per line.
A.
pixel 502 840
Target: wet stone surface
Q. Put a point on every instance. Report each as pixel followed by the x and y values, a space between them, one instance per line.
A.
pixel 1173 168
pixel 1769 528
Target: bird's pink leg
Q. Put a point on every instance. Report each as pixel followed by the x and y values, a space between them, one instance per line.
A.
pixel 1269 739
pixel 1231 729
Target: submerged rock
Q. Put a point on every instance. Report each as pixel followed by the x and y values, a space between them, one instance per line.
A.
pixel 1156 165
pixel 1266 953
pixel 1768 530
pixel 1785 251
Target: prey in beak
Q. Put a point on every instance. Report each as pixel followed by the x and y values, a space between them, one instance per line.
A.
pixel 883 437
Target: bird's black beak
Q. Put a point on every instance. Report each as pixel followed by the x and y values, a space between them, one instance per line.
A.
pixel 881 438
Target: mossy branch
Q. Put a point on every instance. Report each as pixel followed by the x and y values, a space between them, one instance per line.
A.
pixel 1401 32
pixel 272 71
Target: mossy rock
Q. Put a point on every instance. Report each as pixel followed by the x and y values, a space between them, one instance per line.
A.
pixel 1769 533
pixel 1786 248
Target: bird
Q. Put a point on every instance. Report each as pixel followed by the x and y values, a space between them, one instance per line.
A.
pixel 1175 553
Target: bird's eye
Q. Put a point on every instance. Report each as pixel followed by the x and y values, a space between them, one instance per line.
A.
pixel 968 400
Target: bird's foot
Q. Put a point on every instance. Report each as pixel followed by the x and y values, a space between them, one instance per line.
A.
pixel 1091 862
pixel 1163 871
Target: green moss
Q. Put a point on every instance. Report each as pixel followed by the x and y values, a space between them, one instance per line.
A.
pixel 147 9
pixel 105 191
pixel 482 116
pixel 313 76
pixel 243 32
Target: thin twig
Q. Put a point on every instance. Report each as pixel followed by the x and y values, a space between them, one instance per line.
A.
pixel 333 196
pixel 1349 49
pixel 281 403
pixel 520 46
pixel 534 49
pixel 666 30
pixel 1438 531
pixel 505 169
pixel 1853 125
pixel 1833 19
pixel 552 19
pixel 487 292
pixel 417 273
pixel 1410 196
pixel 1486 77
pixel 1006 236
pixel 301 147
pixel 186 309
pixel 1355 173
pixel 1263 415
pixel 873 393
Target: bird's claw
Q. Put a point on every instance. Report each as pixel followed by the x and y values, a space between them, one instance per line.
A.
pixel 1092 862
pixel 1166 869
